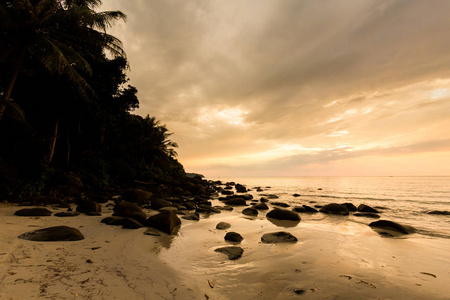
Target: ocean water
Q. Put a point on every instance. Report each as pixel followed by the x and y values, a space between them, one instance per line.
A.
pixel 401 199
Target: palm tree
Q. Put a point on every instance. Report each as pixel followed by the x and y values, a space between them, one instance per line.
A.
pixel 59 34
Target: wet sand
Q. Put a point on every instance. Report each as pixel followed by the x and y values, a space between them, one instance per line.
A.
pixel 335 258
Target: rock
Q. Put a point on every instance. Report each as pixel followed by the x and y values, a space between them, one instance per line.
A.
pixel 130 210
pixel 227 192
pixel 89 207
pixel 350 206
pixel 57 233
pixel 228 187
pixel 278 237
pixel 334 209
pixel 223 225
pixel 67 214
pixel 152 232
pixel 246 197
pixel 261 206
pixel 233 237
pixel 439 212
pixel 166 221
pixel 310 209
pixel 226 207
pixel 280 204
pixel 389 228
pixel 136 195
pixel 236 202
pixel 299 209
pixel 367 208
pixel 33 212
pixel 283 214
pixel 166 208
pixel 232 252
pixel 192 217
pixel 263 200
pixel 116 221
pixel 240 188
pixel 296 195
pixel 129 223
pixel 157 204
pixel 367 215
pixel 299 291
pixel 272 196
pixel 250 211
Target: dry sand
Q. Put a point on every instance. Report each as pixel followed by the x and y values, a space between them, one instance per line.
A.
pixel 335 258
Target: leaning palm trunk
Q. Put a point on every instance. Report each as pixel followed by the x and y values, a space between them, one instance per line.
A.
pixel 53 143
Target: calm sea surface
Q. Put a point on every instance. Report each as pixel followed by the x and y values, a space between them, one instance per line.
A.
pixel 402 199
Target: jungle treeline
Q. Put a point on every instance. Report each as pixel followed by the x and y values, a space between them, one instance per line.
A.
pixel 66 105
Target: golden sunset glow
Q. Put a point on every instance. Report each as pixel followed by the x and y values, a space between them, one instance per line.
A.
pixel 295 88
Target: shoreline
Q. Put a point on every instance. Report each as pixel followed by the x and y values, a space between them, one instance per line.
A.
pixel 336 257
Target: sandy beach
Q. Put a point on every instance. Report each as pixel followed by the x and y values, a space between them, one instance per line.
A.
pixel 335 258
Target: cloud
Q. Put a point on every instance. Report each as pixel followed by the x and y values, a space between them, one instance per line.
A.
pixel 237 79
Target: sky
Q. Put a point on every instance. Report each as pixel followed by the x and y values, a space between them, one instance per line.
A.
pixel 259 88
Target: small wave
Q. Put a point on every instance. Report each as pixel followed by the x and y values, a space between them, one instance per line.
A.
pixel 433 233
pixel 355 198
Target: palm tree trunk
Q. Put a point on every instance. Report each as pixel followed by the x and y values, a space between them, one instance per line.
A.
pixel 11 83
pixel 53 143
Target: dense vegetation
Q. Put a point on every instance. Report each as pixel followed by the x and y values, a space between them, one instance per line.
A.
pixel 65 109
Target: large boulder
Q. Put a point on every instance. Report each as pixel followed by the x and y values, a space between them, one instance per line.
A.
pixel 166 221
pixel 389 228
pixel 367 208
pixel 130 210
pixel 232 252
pixel 57 233
pixel 233 237
pixel 283 214
pixel 136 195
pixel 334 209
pixel 33 212
pixel 88 207
pixel 278 237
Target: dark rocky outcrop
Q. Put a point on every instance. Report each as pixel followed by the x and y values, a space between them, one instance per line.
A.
pixel 261 206
pixel 136 196
pixel 166 221
pixel 223 225
pixel 350 206
pixel 130 210
pixel 250 211
pixel 233 237
pixel 278 237
pixel 283 214
pixel 57 233
pixel 33 212
pixel 116 221
pixel 232 252
pixel 389 228
pixel 367 208
pixel 67 214
pixel 367 215
pixel 334 209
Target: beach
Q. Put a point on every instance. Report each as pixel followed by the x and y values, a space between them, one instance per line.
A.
pixel 335 257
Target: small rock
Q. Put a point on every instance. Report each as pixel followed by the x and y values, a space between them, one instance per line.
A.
pixel 334 209
pixel 223 225
pixel 152 232
pixel 389 228
pixel 232 252
pixel 129 223
pixel 113 221
pixel 250 212
pixel 283 214
pixel 367 208
pixel 280 204
pixel 56 233
pixel 67 214
pixel 33 212
pixel 193 217
pixel 367 215
pixel 233 237
pixel 261 206
pixel 278 237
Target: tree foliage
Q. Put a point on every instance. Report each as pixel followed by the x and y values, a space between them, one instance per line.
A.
pixel 69 106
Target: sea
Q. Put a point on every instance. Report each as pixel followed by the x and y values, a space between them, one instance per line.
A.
pixel 405 200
